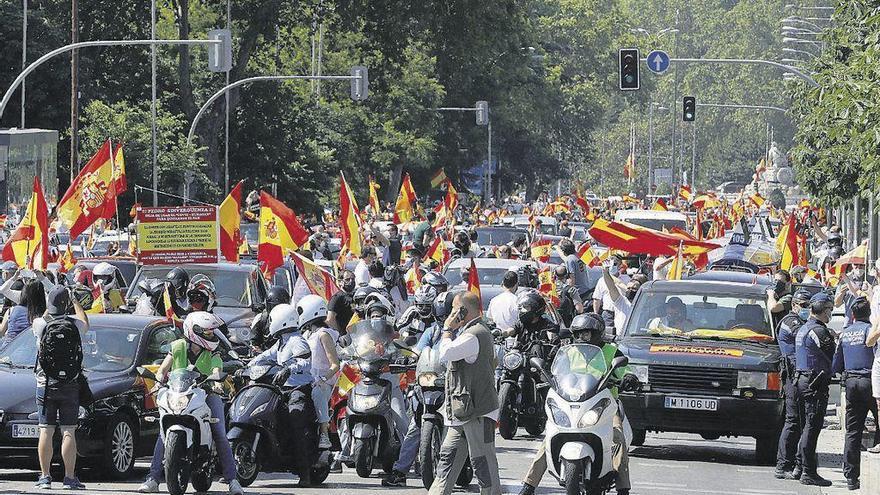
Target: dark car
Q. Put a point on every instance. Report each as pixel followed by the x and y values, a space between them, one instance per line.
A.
pixel 715 372
pixel 113 430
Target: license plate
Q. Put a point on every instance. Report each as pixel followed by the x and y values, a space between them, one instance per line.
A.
pixel 693 403
pixel 25 431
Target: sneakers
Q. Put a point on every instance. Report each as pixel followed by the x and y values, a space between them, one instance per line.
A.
pixel 814 480
pixel 235 488
pixel 73 484
pixel 44 483
pixel 853 485
pixel 336 466
pixel 396 478
pixel 527 489
pixel 781 474
pixel 796 473
pixel 324 441
pixel 875 449
pixel 149 486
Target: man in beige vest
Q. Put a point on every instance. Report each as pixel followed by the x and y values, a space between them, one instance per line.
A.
pixel 471 407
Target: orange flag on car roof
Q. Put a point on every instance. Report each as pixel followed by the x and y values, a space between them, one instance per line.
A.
pixel 230 224
pixel 280 233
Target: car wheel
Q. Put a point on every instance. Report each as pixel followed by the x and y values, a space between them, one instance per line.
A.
pixel 119 447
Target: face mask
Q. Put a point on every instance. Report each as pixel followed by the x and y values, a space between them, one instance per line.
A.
pixel 804 313
pixel 525 318
pixel 631 294
pixel 857 274
pixel 614 270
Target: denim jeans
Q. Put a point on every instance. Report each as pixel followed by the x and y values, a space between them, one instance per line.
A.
pixel 409 448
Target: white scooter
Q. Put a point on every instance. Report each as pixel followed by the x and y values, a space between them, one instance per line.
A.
pixel 579 439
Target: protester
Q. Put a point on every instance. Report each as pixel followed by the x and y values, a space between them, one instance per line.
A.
pixel 362 269
pixel 502 308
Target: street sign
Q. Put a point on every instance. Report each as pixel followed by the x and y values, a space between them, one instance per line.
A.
pixel 662 176
pixel 658 61
pixel 174 235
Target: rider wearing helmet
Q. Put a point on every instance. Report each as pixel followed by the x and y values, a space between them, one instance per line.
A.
pixel 198 348
pixel 589 328
pixel 437 281
pixel 291 351
pixel 533 323
pixel 177 283
pixel 325 362
pixel 377 305
pixel 787 463
pixel 260 325
pixel 106 275
pixel 201 294
pixel 418 317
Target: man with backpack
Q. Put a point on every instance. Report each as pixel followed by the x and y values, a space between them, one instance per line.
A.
pixel 59 380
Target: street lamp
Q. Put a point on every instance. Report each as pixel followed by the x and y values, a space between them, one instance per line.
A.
pixel 799 20
pixel 657 34
pixel 799 41
pixel 791 6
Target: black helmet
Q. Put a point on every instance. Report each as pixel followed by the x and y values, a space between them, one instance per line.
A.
pixel 359 298
pixel 277 295
pixel 179 279
pixel 443 304
pixel 531 305
pixel 587 322
pixel 801 297
pixel 437 281
pixel 834 239
pixel 528 276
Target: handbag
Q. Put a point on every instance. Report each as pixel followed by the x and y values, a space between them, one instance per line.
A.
pixel 85 392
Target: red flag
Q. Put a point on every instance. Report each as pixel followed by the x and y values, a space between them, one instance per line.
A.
pixel 639 240
pixel 474 282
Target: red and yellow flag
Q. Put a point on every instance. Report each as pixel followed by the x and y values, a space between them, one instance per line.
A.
pixel 451 199
pixel 439 178
pixel 629 168
pixel 348 378
pixel 406 200
pixel 787 244
pixel 98 305
pixel 675 268
pixel 169 308
pixel 588 255
pixel 118 182
pixel 413 279
pixel 547 285
pixel 757 200
pixel 66 261
pixel 685 193
pixel 639 240
pixel 230 224
pixel 28 246
pixel 474 282
pixel 349 218
pixel 280 233
pixel 319 280
pixel 541 250
pixel 374 197
pixel 660 205
pixel 438 252
pixel 706 201
pixel 90 195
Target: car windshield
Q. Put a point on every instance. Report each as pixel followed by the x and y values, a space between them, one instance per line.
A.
pixel 577 371
pixel 104 349
pixel 700 316
pixel 488 276
pixel 235 288
pixel 498 237
pixel 657 223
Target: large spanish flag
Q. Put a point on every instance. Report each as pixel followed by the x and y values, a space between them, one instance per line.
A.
pixel 280 233
pixel 349 218
pixel 406 200
pixel 230 224
pixel 118 182
pixel 90 195
pixel 474 282
pixel 787 244
pixel 28 246
pixel 319 281
pixel 640 240
pixel 374 197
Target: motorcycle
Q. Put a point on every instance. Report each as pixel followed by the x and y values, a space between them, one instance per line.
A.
pixel 257 435
pixel 368 412
pixel 580 443
pixel 185 426
pixel 521 391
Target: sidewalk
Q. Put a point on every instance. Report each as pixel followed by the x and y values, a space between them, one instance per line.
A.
pixel 830 449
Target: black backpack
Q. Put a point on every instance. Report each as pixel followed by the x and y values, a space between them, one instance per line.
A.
pixel 60 354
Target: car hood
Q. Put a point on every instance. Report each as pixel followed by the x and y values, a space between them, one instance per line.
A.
pixel 19 388
pixel 701 353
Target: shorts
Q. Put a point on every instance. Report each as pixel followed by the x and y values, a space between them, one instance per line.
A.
pixel 59 405
pixel 321 397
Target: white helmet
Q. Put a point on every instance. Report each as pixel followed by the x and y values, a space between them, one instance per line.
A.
pixel 105 274
pixel 200 328
pixel 311 308
pixel 283 317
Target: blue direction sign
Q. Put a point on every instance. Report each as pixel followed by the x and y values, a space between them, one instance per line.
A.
pixel 658 61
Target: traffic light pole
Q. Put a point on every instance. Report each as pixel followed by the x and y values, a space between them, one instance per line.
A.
pixel 741 107
pixel 745 61
pixel 487 173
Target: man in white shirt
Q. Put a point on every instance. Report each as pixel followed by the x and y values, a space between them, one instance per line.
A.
pixel 362 269
pixel 503 310
pixel 602 303
pixel 621 302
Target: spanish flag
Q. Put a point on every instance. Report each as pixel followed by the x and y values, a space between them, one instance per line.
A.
pixel 169 309
pixel 374 197
pixel 589 256
pixel 706 201
pixel 787 244
pixel 349 218
pixel 474 282
pixel 319 280
pixel 280 233
pixel 451 199
pixel 230 224
pixel 541 250
pixel 90 195
pixel 684 192
pixel 348 378
pixel 118 182
pixel 438 252
pixel 28 246
pixel 403 209
pixel 66 261
pixel 439 178
pixel 629 168
pixel 413 279
pixel 547 285
pixel 757 200
pixel 98 305
pixel 640 240
pixel 675 268
pixel 660 205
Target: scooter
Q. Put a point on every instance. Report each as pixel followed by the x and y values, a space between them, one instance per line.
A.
pixel 257 435
pixel 521 393
pixel 579 441
pixel 185 426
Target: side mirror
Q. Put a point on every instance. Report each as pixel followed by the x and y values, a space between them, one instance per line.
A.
pixel 619 362
pixel 538 364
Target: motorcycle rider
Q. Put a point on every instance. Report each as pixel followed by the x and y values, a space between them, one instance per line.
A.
pixel 339 308
pixel 105 274
pixel 589 328
pixel 437 281
pixel 201 294
pixel 260 325
pixel 291 350
pixel 325 362
pixel 379 307
pixel 533 324
pixel 570 302
pixel 418 317
pixel 788 466
pixel 197 348
pixel 177 284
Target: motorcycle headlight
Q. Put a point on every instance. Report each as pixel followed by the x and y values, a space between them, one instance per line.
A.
pixel 427 379
pixel 752 379
pixel 592 416
pixel 364 402
pixel 178 402
pixel 559 417
pixel 513 360
pixel 641 372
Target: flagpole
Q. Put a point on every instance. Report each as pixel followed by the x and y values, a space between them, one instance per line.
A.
pixel 115 200
pixel 29 259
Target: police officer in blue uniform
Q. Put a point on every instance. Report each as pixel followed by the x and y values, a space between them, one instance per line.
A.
pixel 854 360
pixel 788 465
pixel 814 350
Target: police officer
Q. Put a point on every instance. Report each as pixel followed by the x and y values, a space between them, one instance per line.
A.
pixel 814 350
pixel 788 466
pixel 854 360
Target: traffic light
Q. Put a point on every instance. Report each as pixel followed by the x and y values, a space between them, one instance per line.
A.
pixel 360 83
pixel 689 109
pixel 629 59
pixel 482 112
pixel 220 54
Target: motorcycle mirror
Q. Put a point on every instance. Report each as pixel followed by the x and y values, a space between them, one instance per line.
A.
pixel 619 362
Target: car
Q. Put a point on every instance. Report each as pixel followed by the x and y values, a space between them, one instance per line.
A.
pixel 500 235
pixel 127 267
pixel 116 428
pixel 490 270
pixel 548 224
pixel 717 375
pixel 241 291
pixel 653 219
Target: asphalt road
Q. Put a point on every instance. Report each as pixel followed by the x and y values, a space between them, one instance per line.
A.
pixel 666 464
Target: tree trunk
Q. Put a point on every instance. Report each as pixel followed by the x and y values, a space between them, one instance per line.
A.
pixel 394 183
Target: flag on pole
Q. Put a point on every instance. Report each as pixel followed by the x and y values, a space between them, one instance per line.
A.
pixel 88 197
pixel 787 244
pixel 169 308
pixel 413 279
pixel 547 285
pixel 349 218
pixel 438 252
pixel 374 197
pixel 230 224
pixel 319 280
pixel 757 200
pixel 660 205
pixel 66 261
pixel 588 255
pixel 118 182
pixel 406 200
pixel 451 199
pixel 280 233
pixel 98 305
pixel 474 282
pixel 675 268
pixel 439 178
pixel 684 192
pixel 28 246
pixel 541 250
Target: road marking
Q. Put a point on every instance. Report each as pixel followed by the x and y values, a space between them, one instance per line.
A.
pixel 666 465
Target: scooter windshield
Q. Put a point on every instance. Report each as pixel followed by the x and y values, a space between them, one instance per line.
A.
pixel 577 371
pixel 371 340
pixel 182 380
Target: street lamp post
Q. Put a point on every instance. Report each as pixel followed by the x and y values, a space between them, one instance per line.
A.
pixel 24 26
